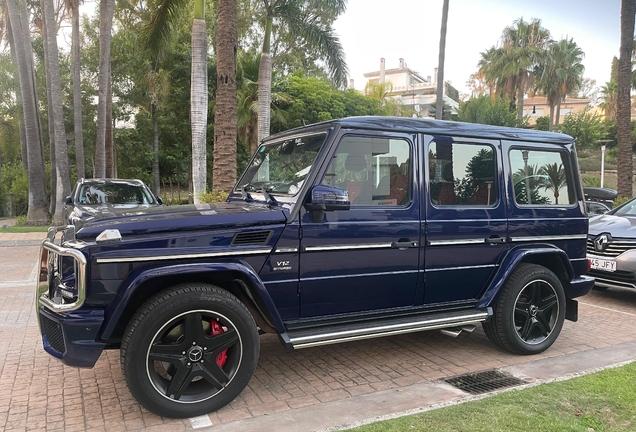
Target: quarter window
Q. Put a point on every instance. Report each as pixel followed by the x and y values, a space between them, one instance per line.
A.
pixel 462 174
pixel 375 171
pixel 541 177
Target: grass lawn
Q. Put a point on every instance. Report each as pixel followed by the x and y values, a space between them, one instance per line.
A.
pixel 23 229
pixel 603 401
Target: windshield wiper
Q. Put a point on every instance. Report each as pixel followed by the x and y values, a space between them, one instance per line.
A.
pixel 246 195
pixel 269 198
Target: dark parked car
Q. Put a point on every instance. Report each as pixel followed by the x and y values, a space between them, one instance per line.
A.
pixel 99 198
pixel 611 247
pixel 344 230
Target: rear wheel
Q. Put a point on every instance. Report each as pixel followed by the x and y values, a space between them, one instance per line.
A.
pixel 189 350
pixel 530 311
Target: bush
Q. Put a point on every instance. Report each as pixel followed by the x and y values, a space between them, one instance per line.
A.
pixel 591 181
pixel 620 200
pixel 583 154
pixel 214 196
pixel 14 181
pixel 20 221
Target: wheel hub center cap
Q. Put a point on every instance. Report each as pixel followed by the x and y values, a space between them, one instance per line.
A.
pixel 533 310
pixel 195 353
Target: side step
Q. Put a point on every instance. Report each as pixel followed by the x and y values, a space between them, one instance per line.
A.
pixel 337 333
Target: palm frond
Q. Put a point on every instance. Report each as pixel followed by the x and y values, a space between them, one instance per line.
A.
pixel 158 30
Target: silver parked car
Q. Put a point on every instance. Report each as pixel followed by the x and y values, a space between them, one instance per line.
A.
pixel 611 247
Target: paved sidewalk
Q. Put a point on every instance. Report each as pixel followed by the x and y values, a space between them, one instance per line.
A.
pixel 19 239
pixel 307 390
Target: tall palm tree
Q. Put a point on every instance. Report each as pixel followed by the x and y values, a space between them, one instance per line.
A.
pixel 73 7
pixel 609 93
pixel 440 68
pixel 157 33
pixel 37 213
pixel 106 11
pixel 560 74
pixel 62 182
pixel 625 164
pixel 308 26
pixel 157 85
pixel 224 172
pixel 555 178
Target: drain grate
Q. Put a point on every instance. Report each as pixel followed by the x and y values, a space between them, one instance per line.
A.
pixel 484 382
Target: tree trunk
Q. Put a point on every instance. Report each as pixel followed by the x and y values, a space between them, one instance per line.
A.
pixel 51 115
pixel 77 94
pixel 551 128
pixel 156 184
pixel 265 85
pixel 199 102
pixel 108 140
pixel 62 182
pixel 224 172
pixel 520 93
pixel 625 165
pixel 558 113
pixel 439 112
pixel 18 96
pixel 106 11
pixel 37 213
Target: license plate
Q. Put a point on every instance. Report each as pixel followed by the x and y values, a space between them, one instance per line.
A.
pixel 603 264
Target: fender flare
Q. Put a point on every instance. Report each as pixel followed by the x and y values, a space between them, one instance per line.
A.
pixel 129 287
pixel 510 262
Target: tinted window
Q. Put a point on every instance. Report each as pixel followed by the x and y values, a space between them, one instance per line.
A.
pixel 114 193
pixel 375 171
pixel 541 177
pixel 462 174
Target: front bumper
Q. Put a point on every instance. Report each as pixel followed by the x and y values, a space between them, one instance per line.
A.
pixel 623 277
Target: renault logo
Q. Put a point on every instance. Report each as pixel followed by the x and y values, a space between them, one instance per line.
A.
pixel 602 241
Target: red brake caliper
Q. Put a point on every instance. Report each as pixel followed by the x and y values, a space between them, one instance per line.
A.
pixel 217 329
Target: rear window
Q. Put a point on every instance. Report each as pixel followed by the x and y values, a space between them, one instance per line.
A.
pixel 541 177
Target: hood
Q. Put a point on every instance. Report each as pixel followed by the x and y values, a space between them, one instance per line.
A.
pixel 617 226
pixel 157 219
pixel 81 213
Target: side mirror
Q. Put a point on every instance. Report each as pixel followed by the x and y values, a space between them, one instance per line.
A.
pixel 326 198
pixel 159 200
pixel 68 200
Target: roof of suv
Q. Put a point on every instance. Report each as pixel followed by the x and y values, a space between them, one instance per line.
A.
pixel 429 126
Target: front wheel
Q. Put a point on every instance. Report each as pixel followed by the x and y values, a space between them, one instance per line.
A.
pixel 189 350
pixel 530 311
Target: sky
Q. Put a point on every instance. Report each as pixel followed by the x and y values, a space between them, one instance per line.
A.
pixel 410 29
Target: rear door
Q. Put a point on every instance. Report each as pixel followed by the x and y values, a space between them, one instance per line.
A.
pixel 466 226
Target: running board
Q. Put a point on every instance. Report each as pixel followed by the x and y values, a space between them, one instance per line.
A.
pixel 306 338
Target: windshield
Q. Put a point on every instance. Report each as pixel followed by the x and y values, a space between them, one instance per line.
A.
pixel 628 209
pixel 114 193
pixel 281 167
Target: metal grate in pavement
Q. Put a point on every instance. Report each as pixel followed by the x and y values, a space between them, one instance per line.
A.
pixel 484 382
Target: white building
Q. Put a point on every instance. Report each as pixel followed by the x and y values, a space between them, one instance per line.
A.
pixel 413 90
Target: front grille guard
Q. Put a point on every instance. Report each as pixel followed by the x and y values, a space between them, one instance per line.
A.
pixel 48 252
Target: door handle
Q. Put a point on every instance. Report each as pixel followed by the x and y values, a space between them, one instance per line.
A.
pixel 404 244
pixel 495 240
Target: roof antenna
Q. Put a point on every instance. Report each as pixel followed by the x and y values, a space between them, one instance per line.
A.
pixel 303 120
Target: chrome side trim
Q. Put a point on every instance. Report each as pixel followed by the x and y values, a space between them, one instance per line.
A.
pixel 286 250
pixel 280 281
pixel 184 256
pixel 456 242
pixel 463 268
pixel 549 238
pixel 391 329
pixel 347 247
pixel 430 221
pixel 80 278
pixel 360 275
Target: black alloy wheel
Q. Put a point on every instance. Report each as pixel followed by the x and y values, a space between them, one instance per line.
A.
pixel 189 350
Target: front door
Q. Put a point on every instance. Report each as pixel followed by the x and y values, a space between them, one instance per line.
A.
pixel 466 226
pixel 365 258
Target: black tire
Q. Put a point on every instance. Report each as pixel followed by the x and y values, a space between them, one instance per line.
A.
pixel 172 362
pixel 529 312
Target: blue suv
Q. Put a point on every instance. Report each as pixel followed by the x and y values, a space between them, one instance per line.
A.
pixel 339 231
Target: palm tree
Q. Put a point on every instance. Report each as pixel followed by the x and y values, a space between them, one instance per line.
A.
pixel 73 7
pixel 224 172
pixel 106 11
pixel 247 99
pixel 37 213
pixel 560 74
pixel 510 66
pixel 156 83
pixel 440 68
pixel 609 93
pixel 625 164
pixel 555 178
pixel 62 184
pixel 304 25
pixel 157 33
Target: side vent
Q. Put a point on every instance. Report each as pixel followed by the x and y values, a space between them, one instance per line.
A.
pixel 249 238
